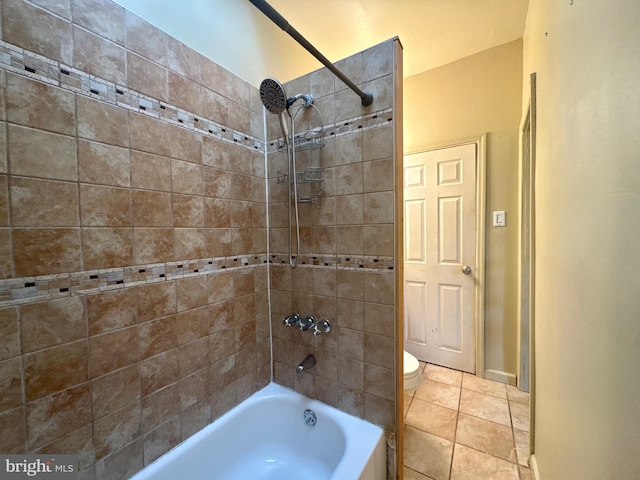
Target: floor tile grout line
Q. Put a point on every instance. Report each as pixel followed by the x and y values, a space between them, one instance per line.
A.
pixel 515 446
pixel 419 473
pixel 484 393
pixel 513 434
pixel 465 413
pixel 487 453
pixel 437 404
pixel 455 434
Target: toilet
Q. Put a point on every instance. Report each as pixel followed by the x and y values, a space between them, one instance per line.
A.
pixel 412 374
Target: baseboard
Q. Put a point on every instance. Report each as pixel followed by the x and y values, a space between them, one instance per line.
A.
pixel 499 376
pixel 533 465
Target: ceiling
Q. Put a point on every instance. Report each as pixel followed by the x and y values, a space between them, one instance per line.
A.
pixel 432 32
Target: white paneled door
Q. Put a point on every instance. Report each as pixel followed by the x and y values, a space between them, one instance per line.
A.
pixel 440 256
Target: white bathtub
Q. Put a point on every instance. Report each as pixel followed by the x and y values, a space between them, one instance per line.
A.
pixel 266 438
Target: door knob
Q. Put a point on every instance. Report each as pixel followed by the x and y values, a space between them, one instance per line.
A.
pixel 466 269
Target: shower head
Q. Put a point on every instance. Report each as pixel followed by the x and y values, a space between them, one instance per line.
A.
pixel 273 95
pixel 274 98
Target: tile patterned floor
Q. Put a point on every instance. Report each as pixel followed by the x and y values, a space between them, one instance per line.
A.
pixel 460 427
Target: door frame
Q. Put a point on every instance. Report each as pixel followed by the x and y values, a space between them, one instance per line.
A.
pixel 528 128
pixel 526 236
pixel 480 200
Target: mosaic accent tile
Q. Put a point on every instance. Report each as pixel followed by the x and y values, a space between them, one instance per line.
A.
pixel 29 64
pixel 353 262
pixel 24 290
pixel 70 78
pixel 370 121
pixel 84 283
pixel 37 67
pixel 373 120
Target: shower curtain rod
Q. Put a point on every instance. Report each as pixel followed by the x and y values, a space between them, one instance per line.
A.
pixel 279 20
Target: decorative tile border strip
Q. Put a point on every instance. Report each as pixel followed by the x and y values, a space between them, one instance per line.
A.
pixel 23 290
pixel 19 291
pixel 380 119
pixel 32 65
pixel 383 118
pixel 339 262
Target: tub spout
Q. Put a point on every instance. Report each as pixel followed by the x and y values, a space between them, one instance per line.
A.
pixel 308 363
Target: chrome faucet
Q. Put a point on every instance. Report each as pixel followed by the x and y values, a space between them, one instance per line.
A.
pixel 323 327
pixel 307 322
pixel 310 323
pixel 292 320
pixel 308 363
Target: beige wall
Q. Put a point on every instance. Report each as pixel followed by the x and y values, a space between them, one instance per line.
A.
pixel 588 225
pixel 462 101
pixel 238 36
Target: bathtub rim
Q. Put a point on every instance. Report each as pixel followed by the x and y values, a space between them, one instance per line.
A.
pixel 363 436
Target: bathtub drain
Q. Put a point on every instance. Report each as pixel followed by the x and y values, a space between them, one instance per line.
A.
pixel 310 418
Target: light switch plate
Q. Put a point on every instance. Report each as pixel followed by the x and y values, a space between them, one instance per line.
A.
pixel 499 218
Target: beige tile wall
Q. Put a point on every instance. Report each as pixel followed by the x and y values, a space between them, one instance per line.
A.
pixel 346 271
pixel 99 196
pixel 116 314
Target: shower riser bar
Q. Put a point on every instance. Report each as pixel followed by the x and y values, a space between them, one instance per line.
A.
pixel 279 20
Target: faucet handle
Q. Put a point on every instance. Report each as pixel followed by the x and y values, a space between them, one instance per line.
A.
pixel 291 320
pixel 323 327
pixel 307 322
